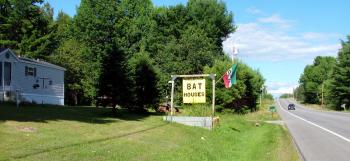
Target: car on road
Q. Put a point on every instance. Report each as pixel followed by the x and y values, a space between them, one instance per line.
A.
pixel 291 106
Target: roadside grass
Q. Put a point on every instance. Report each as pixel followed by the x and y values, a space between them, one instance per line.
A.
pixel 263 114
pixel 87 133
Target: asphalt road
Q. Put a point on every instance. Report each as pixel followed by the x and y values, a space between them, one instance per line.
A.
pixel 319 135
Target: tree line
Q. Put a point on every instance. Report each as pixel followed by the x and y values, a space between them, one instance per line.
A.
pixel 327 80
pixel 127 49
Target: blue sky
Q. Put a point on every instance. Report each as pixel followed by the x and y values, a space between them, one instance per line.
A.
pixel 278 37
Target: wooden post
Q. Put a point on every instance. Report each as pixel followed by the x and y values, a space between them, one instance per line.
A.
pixel 213 99
pixel 271 115
pixel 172 100
pixel 173 78
pixel 212 76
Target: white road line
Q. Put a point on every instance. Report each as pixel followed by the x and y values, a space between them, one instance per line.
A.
pixel 332 132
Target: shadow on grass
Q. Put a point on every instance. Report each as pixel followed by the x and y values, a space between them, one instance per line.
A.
pixel 235 129
pixel 45 113
pixel 89 142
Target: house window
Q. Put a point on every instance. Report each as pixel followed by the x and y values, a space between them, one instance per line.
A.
pixel 7 73
pixel 30 71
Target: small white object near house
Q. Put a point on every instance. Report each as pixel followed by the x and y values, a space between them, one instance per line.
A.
pixel 30 80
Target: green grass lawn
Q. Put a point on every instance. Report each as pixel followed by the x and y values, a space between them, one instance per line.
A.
pixel 87 133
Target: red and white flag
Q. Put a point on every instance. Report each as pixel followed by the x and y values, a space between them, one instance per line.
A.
pixel 230 76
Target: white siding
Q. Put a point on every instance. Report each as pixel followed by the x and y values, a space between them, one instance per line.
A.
pixel 12 60
pixel 47 94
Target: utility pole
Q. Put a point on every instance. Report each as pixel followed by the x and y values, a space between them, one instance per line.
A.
pixel 260 100
pixel 234 53
pixel 322 101
pixel 293 94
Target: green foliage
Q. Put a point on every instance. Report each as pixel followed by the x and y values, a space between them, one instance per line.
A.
pixel 127 49
pixel 330 75
pixel 125 27
pixel 115 79
pixel 42 42
pixel 268 96
pixel 183 40
pixel 69 55
pixel 242 96
pixel 94 26
pixel 340 84
pixel 63 26
pixel 213 17
pixel 145 79
pixel 314 77
pixel 201 110
pixel 299 93
pixel 25 27
pixel 286 95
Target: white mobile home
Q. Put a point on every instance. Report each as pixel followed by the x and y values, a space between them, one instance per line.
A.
pixel 30 80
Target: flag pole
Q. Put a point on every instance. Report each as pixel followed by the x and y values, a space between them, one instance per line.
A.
pixel 219 80
pixel 234 54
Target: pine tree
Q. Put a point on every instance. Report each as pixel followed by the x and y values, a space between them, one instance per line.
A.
pixel 341 82
pixel 94 26
pixel 25 27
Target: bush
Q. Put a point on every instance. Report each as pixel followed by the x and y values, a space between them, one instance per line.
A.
pixel 241 96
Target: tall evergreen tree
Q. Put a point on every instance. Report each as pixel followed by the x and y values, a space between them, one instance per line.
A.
pixel 42 42
pixel 22 22
pixel 145 79
pixel 341 84
pixel 94 26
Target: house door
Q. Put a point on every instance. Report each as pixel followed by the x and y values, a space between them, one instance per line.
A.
pixel 7 73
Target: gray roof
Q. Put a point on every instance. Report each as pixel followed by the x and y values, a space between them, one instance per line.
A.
pixel 33 61
pixel 40 62
pixel 2 49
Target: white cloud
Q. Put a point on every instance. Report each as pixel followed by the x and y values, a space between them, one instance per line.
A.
pixel 273 39
pixel 281 90
pixel 319 36
pixel 278 88
pixel 253 10
pixel 277 20
pixel 273 43
pixel 278 85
